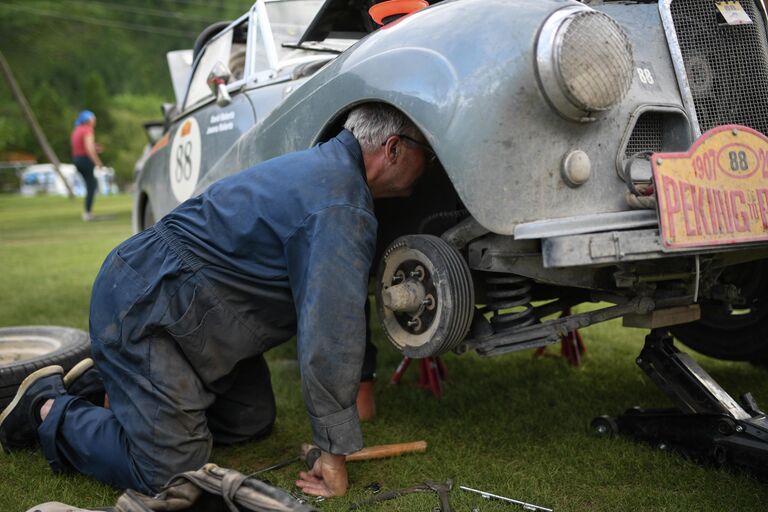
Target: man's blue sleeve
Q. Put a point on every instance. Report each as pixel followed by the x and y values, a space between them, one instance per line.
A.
pixel 329 259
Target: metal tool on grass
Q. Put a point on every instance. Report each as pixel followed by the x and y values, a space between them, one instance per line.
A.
pixel 488 495
pixel 441 490
pixel 310 454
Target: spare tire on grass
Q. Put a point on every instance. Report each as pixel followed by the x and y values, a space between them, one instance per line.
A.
pixel 28 348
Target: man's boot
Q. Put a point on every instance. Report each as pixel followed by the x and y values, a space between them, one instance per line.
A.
pixel 19 421
pixel 84 380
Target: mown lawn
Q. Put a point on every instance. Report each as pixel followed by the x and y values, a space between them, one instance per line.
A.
pixel 512 425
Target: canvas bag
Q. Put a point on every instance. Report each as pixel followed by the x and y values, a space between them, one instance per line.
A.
pixel 209 489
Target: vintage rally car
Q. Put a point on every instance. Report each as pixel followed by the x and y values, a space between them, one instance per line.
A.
pixel 595 151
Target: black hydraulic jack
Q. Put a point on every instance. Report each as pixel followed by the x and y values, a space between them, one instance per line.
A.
pixel 707 424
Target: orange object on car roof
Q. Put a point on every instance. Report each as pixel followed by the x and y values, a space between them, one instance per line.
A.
pixel 380 12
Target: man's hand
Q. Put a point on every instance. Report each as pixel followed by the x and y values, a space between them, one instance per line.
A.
pixel 327 478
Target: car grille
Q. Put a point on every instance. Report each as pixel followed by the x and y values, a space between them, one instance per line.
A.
pixel 727 66
pixel 647 135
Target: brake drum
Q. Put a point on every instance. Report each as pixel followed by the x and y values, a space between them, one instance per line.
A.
pixel 424 295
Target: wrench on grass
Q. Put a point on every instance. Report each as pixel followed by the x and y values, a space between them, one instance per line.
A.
pixel 428 486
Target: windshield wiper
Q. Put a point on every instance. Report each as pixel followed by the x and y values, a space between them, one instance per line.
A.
pixel 313 48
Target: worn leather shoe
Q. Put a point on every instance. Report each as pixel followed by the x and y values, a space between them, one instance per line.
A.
pixel 366 403
pixel 84 380
pixel 19 421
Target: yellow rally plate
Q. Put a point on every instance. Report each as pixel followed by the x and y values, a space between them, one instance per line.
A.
pixel 717 192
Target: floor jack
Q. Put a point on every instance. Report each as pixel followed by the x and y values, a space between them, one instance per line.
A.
pixel 707 423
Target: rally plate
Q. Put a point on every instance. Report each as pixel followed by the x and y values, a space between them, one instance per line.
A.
pixel 715 194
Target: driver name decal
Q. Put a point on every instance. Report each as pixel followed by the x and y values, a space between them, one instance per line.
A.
pixel 184 167
pixel 223 122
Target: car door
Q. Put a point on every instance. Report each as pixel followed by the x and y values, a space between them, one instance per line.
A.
pixel 208 126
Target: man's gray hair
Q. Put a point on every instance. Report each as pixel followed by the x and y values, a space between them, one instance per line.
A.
pixel 372 123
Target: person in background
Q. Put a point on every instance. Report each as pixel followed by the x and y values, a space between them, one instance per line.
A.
pixel 85 156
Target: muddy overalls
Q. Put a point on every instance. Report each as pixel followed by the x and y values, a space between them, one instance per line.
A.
pixel 182 313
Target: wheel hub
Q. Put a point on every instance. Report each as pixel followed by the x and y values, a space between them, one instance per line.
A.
pixel 412 297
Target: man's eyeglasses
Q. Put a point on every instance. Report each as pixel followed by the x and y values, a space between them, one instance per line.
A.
pixel 429 153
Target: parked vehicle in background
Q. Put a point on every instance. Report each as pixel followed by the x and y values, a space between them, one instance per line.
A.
pixel 545 116
pixel 42 179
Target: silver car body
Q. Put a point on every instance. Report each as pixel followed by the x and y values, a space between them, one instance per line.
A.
pixel 471 75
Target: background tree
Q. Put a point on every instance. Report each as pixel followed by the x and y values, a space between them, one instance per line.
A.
pixel 105 56
pixel 55 117
pixel 96 99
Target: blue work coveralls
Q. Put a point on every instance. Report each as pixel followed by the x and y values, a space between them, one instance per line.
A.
pixel 182 313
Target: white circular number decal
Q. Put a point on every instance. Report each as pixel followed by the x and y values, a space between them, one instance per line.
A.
pixel 185 160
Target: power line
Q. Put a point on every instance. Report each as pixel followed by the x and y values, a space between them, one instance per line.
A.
pixel 145 10
pixel 194 2
pixel 103 22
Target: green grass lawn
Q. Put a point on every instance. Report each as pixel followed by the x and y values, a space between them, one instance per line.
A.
pixel 511 425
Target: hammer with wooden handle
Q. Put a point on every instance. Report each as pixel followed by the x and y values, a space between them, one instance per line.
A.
pixel 311 452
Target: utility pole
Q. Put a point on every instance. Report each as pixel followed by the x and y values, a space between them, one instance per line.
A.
pixel 30 117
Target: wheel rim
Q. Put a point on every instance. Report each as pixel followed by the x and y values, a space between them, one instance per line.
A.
pixel 727 317
pixel 17 348
pixel 750 277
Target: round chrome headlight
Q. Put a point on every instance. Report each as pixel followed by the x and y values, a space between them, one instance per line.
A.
pixel 584 62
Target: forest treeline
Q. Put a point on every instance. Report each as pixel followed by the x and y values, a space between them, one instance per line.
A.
pixel 106 56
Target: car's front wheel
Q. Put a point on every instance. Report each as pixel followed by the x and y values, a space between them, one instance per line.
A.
pixel 735 332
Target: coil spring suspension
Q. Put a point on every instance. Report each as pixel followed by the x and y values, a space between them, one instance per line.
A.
pixel 505 293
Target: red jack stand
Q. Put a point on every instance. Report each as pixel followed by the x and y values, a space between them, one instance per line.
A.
pixel 432 373
pixel 571 346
